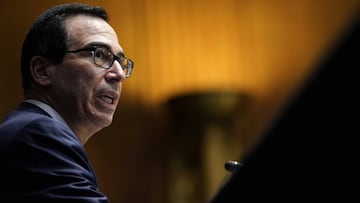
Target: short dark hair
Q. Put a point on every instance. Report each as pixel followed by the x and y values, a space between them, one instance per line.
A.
pixel 48 36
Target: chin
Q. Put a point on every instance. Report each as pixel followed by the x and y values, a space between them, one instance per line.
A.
pixel 107 121
pixel 102 121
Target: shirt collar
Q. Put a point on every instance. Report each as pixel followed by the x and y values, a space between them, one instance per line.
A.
pixel 48 109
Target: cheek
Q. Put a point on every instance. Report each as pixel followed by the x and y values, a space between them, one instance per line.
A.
pixel 77 85
pixel 78 79
pixel 87 86
pixel 84 77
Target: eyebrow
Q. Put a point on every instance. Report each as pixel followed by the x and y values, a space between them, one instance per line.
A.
pixel 106 46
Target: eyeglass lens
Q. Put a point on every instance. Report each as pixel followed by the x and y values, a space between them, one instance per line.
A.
pixel 105 59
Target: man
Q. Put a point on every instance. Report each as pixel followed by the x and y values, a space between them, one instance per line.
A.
pixel 72 69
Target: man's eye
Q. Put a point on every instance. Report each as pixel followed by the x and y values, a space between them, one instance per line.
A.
pixel 99 53
pixel 103 54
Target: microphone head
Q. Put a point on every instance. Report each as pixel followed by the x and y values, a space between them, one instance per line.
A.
pixel 233 166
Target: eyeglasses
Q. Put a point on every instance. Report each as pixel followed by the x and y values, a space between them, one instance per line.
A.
pixel 104 58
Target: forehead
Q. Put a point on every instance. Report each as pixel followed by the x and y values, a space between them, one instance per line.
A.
pixel 84 30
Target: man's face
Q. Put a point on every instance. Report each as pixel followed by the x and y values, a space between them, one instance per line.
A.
pixel 86 95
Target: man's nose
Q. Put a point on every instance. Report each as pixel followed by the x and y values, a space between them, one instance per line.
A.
pixel 115 72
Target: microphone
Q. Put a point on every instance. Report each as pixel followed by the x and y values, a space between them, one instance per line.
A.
pixel 233 166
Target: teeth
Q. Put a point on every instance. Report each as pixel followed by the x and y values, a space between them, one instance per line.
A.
pixel 107 99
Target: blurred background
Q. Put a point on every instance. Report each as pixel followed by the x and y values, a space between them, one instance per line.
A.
pixel 209 77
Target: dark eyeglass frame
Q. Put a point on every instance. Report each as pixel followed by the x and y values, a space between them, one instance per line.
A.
pixel 126 64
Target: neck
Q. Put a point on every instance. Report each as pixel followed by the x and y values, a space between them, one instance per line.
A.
pixel 82 129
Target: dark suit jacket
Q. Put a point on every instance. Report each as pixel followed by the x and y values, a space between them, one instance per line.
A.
pixel 42 160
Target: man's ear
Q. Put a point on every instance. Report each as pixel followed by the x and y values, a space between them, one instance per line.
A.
pixel 40 68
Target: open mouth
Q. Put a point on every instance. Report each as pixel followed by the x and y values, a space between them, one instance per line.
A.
pixel 107 99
